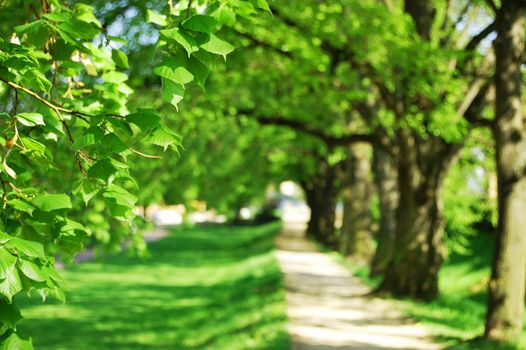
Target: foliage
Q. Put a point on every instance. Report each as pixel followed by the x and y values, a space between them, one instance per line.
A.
pixel 204 287
pixel 468 203
pixel 63 84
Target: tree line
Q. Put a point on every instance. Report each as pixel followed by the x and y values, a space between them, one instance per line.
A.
pixel 411 81
pixel 346 98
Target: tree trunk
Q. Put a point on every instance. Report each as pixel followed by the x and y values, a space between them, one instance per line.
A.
pixel 507 284
pixel 413 269
pixel 386 181
pixel 320 193
pixel 356 235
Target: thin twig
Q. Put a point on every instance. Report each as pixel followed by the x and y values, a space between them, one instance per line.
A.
pixel 144 155
pixel 15 106
pixel 188 8
pixel 14 187
pixel 55 106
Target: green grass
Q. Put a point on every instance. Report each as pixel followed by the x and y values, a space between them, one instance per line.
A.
pixel 203 288
pixel 456 317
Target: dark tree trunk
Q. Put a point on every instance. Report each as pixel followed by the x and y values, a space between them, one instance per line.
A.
pixel 423 162
pixel 356 235
pixel 507 284
pixel 423 13
pixel 386 180
pixel 320 193
pixel 413 269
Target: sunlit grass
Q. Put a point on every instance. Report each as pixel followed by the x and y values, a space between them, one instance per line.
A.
pixel 203 288
pixel 457 316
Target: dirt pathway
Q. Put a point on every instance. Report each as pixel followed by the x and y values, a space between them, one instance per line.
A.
pixel 327 308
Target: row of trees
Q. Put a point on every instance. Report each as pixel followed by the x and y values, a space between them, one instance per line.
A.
pixel 373 97
pixel 413 79
pixel 393 88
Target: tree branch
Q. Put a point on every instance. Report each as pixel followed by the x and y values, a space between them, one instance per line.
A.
pixel 330 140
pixel 476 40
pixel 266 45
pixel 474 110
pixel 53 105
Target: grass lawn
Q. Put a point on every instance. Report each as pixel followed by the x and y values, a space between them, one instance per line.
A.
pixel 457 316
pixel 212 287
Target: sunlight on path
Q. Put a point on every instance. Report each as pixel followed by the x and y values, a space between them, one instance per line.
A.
pixel 327 308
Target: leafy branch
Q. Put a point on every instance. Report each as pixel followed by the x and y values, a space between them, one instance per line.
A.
pixel 53 105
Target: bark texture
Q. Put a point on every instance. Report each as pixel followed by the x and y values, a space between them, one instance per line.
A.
pixel 507 284
pixel 413 269
pixel 356 236
pixel 386 181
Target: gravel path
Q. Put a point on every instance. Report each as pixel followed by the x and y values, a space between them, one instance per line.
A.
pixel 327 308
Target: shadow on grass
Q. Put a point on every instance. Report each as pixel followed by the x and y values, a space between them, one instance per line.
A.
pixel 202 288
pixel 457 315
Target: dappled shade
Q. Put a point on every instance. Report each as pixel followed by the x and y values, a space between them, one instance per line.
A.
pixel 202 288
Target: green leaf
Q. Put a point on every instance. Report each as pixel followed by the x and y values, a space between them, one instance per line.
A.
pixel 14 342
pixel 72 226
pixel 164 137
pixel 32 145
pixel 84 13
pixel 78 29
pixel 37 32
pixel 117 39
pixel 92 136
pixel 70 245
pixel 200 23
pixel 21 205
pixel 226 15
pixel 7 262
pixel 4 237
pixel 145 119
pixel 87 188
pixel 182 38
pixel 262 4
pixel 218 46
pixel 28 27
pixel 30 119
pixel 58 16
pixel 120 195
pixel 32 271
pixel 172 91
pixel 120 58
pixel 30 248
pixel 36 78
pixel 11 284
pixel 113 143
pixel 51 202
pixel 103 169
pixel 156 18
pixel 114 77
pixel 10 314
pixel 52 272
pixel 174 70
pixel 199 71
